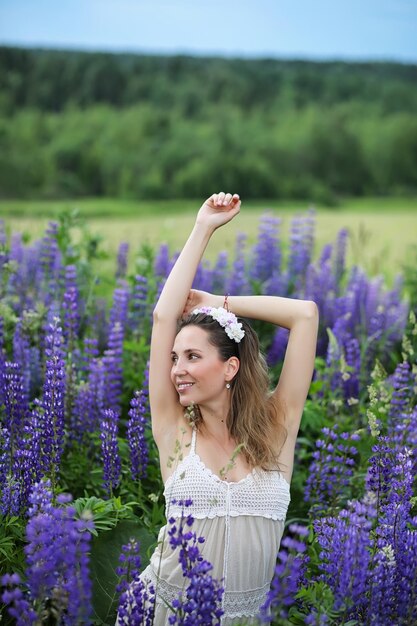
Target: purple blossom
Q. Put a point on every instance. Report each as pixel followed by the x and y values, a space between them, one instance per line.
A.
pixel 122 258
pixel 402 383
pixel 278 347
pixel 331 470
pixel 53 401
pixel 139 454
pixel 119 309
pixel 266 254
pixel 138 303
pixel 340 255
pixel 288 575
pixel 70 305
pixel 137 600
pixel 162 262
pixel 57 572
pixel 238 283
pixel 200 603
pixel 219 273
pixel 22 356
pixel 345 542
pixel 110 450
pixel 113 368
pixel 301 248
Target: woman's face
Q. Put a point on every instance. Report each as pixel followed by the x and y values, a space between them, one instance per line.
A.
pixel 198 373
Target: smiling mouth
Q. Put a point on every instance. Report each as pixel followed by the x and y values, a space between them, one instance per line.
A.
pixel 183 386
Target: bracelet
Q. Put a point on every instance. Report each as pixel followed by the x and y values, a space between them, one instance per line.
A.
pixel 225 303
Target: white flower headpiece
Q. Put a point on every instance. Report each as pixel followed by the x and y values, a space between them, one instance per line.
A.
pixel 225 318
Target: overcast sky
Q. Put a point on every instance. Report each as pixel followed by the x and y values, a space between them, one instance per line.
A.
pixel 314 29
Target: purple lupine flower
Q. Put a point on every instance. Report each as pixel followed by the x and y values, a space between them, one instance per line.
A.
pixel 352 377
pixel 332 468
pixel 17 283
pixel 392 540
pixel 200 603
pixel 70 305
pixel 301 248
pixel 266 254
pixel 50 263
pixel 2 365
pixel 203 278
pixel 13 479
pixel 162 262
pixel 137 599
pixel 139 305
pixel 119 309
pixel 22 356
pixel 340 254
pixel 407 575
pixel 97 388
pixel 402 382
pixel 110 450
pixel 53 400
pixel 57 570
pixel 90 354
pixel 219 273
pixel 378 475
pixel 345 542
pixel 278 346
pixel 83 414
pixel 288 575
pixel 122 255
pixel 320 286
pixel 113 368
pixel 139 454
pixel 15 401
pixel 276 285
pixel 17 605
pixel 237 283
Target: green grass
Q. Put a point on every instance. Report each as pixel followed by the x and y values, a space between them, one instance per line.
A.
pixel 382 231
pixel 114 207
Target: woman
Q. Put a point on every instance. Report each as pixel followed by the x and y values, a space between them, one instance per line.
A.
pixel 208 387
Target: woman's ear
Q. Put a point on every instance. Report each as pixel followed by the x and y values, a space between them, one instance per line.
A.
pixel 232 368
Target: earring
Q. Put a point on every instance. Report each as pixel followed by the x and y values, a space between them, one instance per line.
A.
pixel 227 385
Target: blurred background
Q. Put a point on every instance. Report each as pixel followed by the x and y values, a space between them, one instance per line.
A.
pixel 131 108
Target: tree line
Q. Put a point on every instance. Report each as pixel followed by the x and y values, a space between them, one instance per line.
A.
pixel 74 123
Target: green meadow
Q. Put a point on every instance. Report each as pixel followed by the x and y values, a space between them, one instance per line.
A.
pixel 383 231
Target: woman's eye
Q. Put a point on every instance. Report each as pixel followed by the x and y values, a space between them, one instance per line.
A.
pixel 174 358
pixel 193 356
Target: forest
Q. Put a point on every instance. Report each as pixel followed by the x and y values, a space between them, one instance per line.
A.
pixel 78 124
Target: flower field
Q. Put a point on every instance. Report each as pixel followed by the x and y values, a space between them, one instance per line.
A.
pixel 80 489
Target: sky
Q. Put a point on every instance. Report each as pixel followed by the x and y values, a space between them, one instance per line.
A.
pixel 309 29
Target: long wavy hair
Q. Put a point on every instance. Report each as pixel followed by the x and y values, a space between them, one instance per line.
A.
pixel 254 420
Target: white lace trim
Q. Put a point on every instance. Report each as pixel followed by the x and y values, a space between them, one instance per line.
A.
pixel 261 493
pixel 235 603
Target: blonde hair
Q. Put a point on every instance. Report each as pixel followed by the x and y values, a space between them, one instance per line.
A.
pixel 254 421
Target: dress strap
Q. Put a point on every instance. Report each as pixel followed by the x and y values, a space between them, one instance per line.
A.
pixel 193 441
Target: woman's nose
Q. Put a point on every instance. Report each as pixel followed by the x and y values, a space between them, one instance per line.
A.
pixel 179 367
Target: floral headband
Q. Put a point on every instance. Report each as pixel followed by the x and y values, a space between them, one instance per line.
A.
pixel 225 318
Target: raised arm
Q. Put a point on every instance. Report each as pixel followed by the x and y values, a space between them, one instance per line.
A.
pixel 165 407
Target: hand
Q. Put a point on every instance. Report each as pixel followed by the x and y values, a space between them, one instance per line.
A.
pixel 197 299
pixel 219 209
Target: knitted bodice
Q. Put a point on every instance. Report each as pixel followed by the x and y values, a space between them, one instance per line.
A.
pixel 261 493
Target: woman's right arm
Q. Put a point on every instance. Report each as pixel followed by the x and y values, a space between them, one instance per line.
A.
pixel 166 410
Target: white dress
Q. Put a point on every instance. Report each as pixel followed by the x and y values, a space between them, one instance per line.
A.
pixel 242 523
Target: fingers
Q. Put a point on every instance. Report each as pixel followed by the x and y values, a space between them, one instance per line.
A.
pixel 224 199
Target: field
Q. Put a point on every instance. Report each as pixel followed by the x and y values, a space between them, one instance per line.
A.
pixel 75 418
pixel 382 230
